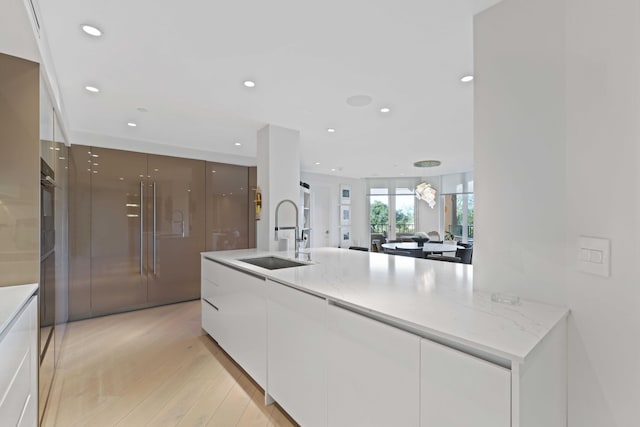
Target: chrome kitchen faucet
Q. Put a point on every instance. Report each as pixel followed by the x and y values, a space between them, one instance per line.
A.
pixel 297 239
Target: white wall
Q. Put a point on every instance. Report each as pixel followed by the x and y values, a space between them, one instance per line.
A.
pixel 325 192
pixel 16 35
pixel 557 156
pixel 603 195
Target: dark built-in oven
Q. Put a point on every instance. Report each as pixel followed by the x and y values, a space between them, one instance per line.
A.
pixel 47 209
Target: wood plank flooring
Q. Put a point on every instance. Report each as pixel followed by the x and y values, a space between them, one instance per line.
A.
pixel 152 368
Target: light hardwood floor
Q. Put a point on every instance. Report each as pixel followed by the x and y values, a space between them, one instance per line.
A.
pixel 152 368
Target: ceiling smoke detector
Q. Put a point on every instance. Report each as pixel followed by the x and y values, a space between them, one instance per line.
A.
pixel 359 100
pixel 427 163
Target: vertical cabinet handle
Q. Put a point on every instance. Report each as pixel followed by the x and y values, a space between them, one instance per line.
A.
pixel 154 228
pixel 141 228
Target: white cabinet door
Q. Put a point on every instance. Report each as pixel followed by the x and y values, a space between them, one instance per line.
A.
pixel 373 372
pixel 19 368
pixel 460 390
pixel 244 313
pixel 234 313
pixel 297 354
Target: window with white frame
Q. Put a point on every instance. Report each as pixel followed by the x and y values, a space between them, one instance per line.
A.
pixel 392 210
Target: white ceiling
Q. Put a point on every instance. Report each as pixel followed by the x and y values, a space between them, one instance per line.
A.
pixel 185 62
pixel 16 34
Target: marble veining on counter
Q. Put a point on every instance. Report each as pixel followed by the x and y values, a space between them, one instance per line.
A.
pixel 434 297
pixel 12 299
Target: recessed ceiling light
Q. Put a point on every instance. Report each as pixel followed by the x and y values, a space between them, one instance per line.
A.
pixel 466 79
pixel 331 130
pixel 385 109
pixel 333 169
pixel 237 144
pixel 95 155
pixel 132 124
pixel 92 89
pixel 91 30
pixel 317 163
pixel 249 83
pixel 427 163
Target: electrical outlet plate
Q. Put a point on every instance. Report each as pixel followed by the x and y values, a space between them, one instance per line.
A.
pixel 594 256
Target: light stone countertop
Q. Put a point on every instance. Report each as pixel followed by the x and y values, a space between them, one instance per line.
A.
pixel 12 299
pixel 433 297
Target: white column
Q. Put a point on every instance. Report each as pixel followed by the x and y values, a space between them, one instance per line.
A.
pixel 520 150
pixel 278 158
pixel 557 157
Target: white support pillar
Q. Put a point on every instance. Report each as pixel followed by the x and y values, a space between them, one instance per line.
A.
pixel 278 158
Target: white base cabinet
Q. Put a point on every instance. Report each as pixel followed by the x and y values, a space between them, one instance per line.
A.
pixel 327 365
pixel 460 390
pixel 234 312
pixel 297 350
pixel 19 369
pixel 373 372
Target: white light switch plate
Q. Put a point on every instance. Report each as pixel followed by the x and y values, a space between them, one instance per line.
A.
pixel 594 256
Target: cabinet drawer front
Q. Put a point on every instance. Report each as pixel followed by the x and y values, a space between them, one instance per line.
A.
pixel 211 319
pixel 13 347
pixel 16 397
pixel 460 390
pixel 210 289
pixel 29 418
pixel 219 274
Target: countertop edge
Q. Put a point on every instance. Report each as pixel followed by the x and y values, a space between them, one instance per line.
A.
pixel 24 293
pixel 420 330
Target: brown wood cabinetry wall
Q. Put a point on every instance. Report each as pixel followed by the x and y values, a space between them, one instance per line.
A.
pixel 140 221
pixel 19 171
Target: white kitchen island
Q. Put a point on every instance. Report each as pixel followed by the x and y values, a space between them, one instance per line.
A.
pixel 19 353
pixel 357 338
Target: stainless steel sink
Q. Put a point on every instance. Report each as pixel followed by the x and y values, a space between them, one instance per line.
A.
pixel 272 263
